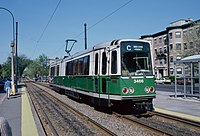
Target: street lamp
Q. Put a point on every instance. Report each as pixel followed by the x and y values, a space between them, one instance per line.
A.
pixel 12 46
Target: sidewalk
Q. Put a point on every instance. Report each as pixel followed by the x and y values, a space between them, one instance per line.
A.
pixel 11 111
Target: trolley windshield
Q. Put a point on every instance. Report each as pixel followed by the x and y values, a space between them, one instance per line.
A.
pixel 136 58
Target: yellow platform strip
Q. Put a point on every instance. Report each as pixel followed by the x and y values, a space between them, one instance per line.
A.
pixel 177 114
pixel 28 123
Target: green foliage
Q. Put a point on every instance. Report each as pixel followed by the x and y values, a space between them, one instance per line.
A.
pixel 26 66
pixel 172 78
pixel 37 67
pixel 5 70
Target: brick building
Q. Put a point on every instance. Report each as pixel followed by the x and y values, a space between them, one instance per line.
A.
pixel 180 39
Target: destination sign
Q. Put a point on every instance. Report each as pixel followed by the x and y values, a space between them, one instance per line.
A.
pixel 135 46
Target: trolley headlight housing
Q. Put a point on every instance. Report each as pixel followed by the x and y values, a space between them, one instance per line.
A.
pixel 146 89
pixel 149 89
pixel 131 90
pixel 125 90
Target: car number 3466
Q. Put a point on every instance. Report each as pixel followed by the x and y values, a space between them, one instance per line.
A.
pixel 138 81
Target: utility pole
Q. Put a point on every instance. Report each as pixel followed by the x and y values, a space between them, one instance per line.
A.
pixel 12 67
pixel 85 30
pixel 16 57
pixel 12 49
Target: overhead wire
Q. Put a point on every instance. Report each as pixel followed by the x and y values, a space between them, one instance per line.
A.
pixel 101 20
pixel 42 34
pixel 107 16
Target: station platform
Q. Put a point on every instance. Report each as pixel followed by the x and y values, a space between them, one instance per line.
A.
pixel 17 111
pixel 188 108
pixel 23 120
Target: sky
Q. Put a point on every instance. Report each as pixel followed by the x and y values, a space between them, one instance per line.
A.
pixel 43 28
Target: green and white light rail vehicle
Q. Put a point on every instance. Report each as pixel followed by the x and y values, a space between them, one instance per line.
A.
pixel 118 72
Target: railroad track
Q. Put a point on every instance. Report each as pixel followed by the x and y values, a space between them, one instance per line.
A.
pixel 187 123
pixel 56 121
pixel 165 126
pixel 134 120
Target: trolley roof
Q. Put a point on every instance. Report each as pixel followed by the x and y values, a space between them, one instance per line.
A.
pixel 97 47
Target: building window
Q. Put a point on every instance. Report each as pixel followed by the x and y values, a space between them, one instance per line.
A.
pixel 178 46
pixel 160 50
pixel 171 47
pixel 179 70
pixel 165 60
pixel 155 41
pixel 160 61
pixel 165 49
pixel 160 40
pixel 156 51
pixel 165 40
pixel 171 71
pixel 178 57
pixel 171 59
pixel 170 35
pixel 178 34
pixel 185 46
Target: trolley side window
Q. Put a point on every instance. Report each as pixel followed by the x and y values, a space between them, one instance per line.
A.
pixel 52 73
pixel 114 62
pixel 104 63
pixel 69 68
pixel 80 66
pixel 75 67
pixel 86 65
pixel 57 70
pixel 96 63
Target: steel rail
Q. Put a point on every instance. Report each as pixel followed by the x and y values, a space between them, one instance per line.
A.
pixel 178 119
pixel 81 115
pixel 151 128
pixel 44 114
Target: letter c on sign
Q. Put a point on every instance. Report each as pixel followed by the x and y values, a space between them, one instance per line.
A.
pixel 128 47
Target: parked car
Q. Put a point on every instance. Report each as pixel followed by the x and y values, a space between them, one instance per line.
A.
pixel 2 82
pixel 180 81
pixel 163 81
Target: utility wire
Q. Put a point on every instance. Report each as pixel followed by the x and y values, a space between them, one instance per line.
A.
pixel 104 18
pixel 42 34
pixel 101 20
pixel 49 21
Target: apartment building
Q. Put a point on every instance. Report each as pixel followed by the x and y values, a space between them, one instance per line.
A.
pixel 180 39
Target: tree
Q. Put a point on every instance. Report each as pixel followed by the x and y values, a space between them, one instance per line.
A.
pixel 37 67
pixel 6 68
pixel 23 62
